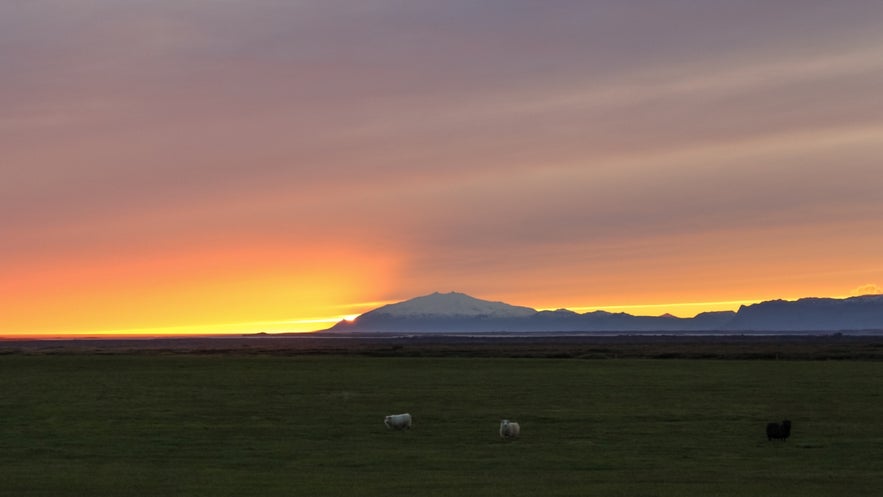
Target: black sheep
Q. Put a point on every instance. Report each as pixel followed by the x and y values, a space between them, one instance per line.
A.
pixel 779 431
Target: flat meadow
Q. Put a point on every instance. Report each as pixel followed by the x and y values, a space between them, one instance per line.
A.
pixel 265 425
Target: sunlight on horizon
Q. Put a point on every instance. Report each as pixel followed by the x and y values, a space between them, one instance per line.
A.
pixel 681 309
pixel 306 325
pixel 319 323
pixel 314 324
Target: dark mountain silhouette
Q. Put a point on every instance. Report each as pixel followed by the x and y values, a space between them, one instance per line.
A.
pixel 811 314
pixel 459 313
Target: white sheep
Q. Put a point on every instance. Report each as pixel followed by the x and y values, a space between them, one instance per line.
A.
pixel 398 421
pixel 509 429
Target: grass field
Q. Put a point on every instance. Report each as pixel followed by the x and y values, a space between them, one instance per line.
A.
pixel 214 425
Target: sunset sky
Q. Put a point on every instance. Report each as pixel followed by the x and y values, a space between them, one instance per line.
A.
pixel 227 166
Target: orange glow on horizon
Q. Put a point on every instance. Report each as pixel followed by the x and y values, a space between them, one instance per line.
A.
pixel 310 325
pixel 679 309
pixel 272 289
pixel 275 288
pixel 298 326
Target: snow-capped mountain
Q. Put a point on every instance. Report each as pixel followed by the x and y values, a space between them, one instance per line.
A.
pixel 458 313
pixel 450 305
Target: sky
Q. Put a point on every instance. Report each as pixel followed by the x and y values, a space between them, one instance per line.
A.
pixel 227 166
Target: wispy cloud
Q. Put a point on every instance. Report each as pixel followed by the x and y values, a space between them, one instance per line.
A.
pixel 867 289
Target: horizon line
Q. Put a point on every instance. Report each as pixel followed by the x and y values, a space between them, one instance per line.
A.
pixel 289 326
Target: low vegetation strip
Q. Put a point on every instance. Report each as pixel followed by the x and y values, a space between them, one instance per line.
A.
pixel 576 346
pixel 220 424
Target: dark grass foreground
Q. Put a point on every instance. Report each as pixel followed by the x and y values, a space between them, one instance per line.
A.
pixel 216 425
pixel 575 345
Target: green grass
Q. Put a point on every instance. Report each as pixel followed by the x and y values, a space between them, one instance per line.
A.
pixel 134 425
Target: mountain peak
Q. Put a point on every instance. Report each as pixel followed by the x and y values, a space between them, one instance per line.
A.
pixel 451 304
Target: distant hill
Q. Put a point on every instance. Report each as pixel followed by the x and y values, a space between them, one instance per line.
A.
pixel 460 313
pixel 812 315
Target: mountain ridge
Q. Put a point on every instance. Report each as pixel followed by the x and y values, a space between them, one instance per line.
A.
pixel 456 312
